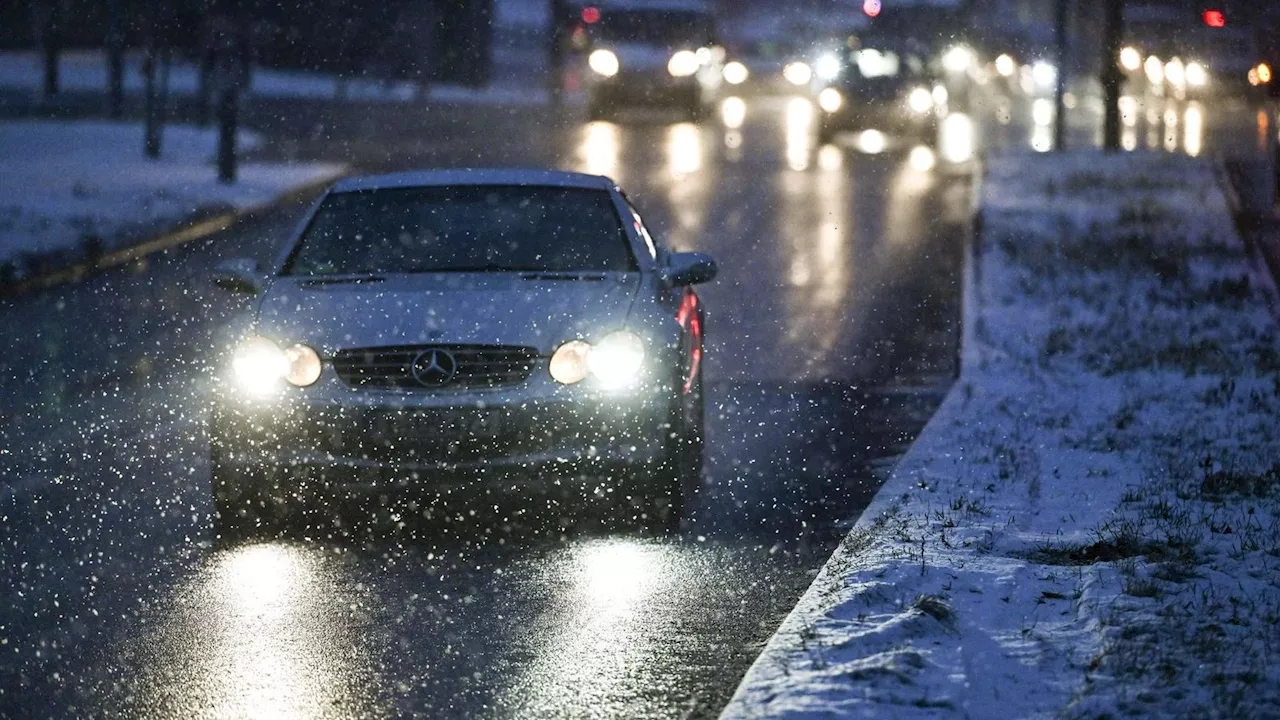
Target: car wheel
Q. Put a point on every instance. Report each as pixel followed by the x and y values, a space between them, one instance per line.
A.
pixel 680 474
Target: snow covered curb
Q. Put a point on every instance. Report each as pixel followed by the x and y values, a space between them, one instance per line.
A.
pixel 74 192
pixel 1088 526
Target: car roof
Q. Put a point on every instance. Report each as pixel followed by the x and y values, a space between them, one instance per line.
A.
pixel 473 176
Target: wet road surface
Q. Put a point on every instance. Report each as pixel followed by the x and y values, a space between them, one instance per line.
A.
pixel 832 337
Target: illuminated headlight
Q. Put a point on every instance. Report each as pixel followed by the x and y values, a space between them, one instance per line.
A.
pixel 615 361
pixel 603 62
pixel 957 59
pixel 1175 72
pixel 830 99
pixel 797 73
pixel 1130 59
pixel 1045 74
pixel 920 101
pixel 1155 70
pixel 827 67
pixel 683 64
pixel 940 95
pixel 1197 76
pixel 259 365
pixel 1006 65
pixel 735 73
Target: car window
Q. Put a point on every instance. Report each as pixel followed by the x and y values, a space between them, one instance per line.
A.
pixel 654 27
pixel 443 229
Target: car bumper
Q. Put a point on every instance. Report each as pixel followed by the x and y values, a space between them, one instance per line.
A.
pixel 648 88
pixel 889 119
pixel 392 436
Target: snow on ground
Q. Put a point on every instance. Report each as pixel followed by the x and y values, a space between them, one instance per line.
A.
pixel 1088 526
pixel 69 184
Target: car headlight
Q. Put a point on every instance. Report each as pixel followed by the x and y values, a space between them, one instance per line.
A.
pixel 683 64
pixel 569 362
pixel 827 67
pixel 615 361
pixel 1131 59
pixel 957 59
pixel 603 62
pixel 259 365
pixel 797 73
pixel 830 99
pixel 1197 76
pixel 735 73
pixel 920 101
pixel 1045 74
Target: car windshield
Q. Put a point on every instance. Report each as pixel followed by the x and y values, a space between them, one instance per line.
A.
pixel 655 27
pixel 463 228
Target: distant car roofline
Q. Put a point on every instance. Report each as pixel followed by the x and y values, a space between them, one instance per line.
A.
pixel 473 176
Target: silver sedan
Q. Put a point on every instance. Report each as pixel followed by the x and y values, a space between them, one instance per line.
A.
pixel 447 329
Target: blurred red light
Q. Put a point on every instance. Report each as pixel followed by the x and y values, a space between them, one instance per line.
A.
pixel 590 14
pixel 871 7
pixel 1215 18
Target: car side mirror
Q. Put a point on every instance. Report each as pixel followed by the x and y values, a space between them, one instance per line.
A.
pixel 239 275
pixel 690 268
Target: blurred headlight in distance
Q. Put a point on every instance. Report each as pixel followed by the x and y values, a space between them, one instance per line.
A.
pixel 683 64
pixel 603 62
pixel 1005 65
pixel 872 142
pixel 1264 73
pixel 735 73
pixel 1155 70
pixel 921 159
pixel 259 365
pixel 957 58
pixel 920 101
pixel 827 67
pixel 1130 59
pixel 1175 72
pixel 940 95
pixel 569 362
pixel 957 138
pixel 617 359
pixel 797 73
pixel 1045 74
pixel 830 99
pixel 1196 75
pixel 304 365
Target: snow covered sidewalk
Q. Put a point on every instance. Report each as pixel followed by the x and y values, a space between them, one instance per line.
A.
pixel 71 189
pixel 1088 526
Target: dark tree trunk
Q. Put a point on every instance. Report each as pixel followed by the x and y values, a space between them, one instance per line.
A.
pixel 115 58
pixel 228 120
pixel 1060 92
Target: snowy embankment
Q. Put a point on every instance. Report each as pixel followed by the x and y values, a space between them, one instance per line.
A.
pixel 74 189
pixel 1088 526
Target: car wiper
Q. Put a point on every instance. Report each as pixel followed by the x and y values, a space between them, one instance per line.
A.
pixel 341 280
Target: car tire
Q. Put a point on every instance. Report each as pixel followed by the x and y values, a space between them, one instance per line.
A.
pixel 679 480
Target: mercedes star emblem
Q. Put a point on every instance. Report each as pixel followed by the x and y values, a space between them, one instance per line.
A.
pixel 434 367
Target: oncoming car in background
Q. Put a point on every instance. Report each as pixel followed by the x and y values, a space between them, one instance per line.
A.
pixel 653 52
pixel 428 330
pixel 879 87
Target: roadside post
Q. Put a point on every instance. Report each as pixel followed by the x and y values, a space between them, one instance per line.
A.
pixel 1112 77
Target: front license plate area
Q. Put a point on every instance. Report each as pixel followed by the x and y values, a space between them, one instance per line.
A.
pixel 437 428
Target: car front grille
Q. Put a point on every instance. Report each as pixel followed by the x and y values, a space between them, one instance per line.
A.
pixel 436 367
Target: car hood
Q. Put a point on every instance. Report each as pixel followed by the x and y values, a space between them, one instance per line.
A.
pixel 481 308
pixel 635 57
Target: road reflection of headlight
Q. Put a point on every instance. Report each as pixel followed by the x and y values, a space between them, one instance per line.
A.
pixel 733 111
pixel 735 73
pixel 797 73
pixel 957 139
pixel 683 64
pixel 830 99
pixel 616 361
pixel 603 62
pixel 827 67
pixel 1175 72
pixel 920 101
pixel 1042 111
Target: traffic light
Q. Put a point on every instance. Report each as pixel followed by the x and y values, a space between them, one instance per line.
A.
pixel 1215 18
